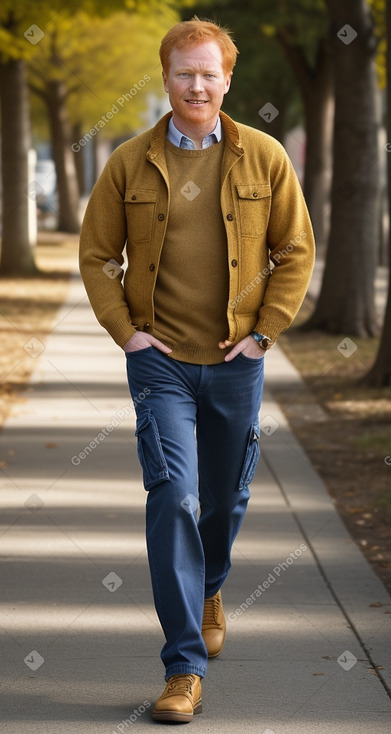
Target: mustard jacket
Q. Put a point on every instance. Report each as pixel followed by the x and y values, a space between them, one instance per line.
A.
pixel 269 233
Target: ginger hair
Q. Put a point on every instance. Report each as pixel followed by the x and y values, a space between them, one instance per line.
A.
pixel 195 31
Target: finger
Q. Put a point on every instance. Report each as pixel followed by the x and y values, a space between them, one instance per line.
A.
pixel 224 345
pixel 233 353
pixel 159 345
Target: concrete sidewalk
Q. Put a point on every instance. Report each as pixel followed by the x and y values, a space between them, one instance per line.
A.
pixel 307 618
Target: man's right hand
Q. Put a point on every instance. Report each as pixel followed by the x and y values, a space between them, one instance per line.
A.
pixel 141 340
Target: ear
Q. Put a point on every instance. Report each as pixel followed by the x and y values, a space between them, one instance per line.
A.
pixel 227 80
pixel 165 81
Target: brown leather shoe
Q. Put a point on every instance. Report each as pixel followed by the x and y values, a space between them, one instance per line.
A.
pixel 214 625
pixel 180 699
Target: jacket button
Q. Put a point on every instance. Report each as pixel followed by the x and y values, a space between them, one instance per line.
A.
pixel 255 194
pixel 134 197
pixel 152 267
pixel 160 217
pixel 234 263
pixel 230 217
pixel 146 326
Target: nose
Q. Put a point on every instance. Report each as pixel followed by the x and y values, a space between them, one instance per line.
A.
pixel 196 84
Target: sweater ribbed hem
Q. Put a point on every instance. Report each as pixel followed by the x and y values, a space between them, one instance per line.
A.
pixel 198 355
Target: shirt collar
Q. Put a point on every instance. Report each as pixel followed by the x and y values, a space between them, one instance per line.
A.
pixel 175 136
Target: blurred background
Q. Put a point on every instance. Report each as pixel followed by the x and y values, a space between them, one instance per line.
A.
pixel 79 78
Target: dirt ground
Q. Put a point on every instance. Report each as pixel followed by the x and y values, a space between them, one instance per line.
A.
pixel 348 438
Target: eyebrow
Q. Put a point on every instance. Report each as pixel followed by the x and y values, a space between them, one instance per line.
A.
pixel 203 71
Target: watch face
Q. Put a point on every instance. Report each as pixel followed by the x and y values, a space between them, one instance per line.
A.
pixel 264 341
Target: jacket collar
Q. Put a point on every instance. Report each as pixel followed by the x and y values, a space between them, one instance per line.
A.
pixel 159 134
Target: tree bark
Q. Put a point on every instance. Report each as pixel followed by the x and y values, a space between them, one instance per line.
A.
pixel 346 303
pixel 380 373
pixel 78 158
pixel 316 87
pixel 16 252
pixel 68 193
pixel 319 113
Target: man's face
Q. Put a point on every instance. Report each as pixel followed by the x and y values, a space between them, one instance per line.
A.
pixel 196 84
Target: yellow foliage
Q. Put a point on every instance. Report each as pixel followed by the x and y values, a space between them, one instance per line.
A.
pixel 108 64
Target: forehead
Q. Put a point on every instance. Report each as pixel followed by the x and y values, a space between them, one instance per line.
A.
pixel 197 56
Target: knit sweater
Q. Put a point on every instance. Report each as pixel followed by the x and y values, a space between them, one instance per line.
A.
pixel 266 223
pixel 191 292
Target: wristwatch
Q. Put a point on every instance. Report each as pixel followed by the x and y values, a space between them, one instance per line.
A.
pixel 264 341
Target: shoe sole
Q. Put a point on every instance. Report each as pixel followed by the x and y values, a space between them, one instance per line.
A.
pixel 215 654
pixel 177 716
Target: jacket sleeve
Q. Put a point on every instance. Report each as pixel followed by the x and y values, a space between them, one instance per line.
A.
pixel 102 241
pixel 291 246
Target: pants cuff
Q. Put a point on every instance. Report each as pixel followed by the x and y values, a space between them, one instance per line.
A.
pixel 183 669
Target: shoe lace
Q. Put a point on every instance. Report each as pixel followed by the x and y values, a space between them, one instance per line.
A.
pixel 181 684
pixel 211 608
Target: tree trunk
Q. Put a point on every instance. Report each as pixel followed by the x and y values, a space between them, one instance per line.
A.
pixel 380 373
pixel 346 303
pixel 68 194
pixel 316 87
pixel 319 112
pixel 78 157
pixel 16 253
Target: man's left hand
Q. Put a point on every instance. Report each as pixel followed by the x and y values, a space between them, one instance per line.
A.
pixel 248 346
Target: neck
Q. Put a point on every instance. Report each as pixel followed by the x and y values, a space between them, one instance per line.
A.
pixel 196 132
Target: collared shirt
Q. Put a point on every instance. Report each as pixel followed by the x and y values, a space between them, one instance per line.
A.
pixel 182 141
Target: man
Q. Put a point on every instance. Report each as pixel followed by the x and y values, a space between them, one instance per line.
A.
pixel 220 251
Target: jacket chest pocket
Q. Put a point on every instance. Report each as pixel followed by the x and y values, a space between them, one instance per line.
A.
pixel 254 208
pixel 140 206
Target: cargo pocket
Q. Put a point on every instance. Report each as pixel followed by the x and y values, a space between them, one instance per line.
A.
pixel 251 457
pixel 150 450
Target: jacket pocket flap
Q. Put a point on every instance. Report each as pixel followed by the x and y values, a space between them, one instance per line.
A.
pixel 253 191
pixel 140 196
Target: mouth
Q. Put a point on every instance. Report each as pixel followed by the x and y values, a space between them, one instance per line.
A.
pixel 196 102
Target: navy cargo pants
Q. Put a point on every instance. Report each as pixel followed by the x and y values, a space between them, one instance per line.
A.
pixel 197 440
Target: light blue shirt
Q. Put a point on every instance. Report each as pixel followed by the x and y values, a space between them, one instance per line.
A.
pixel 182 141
